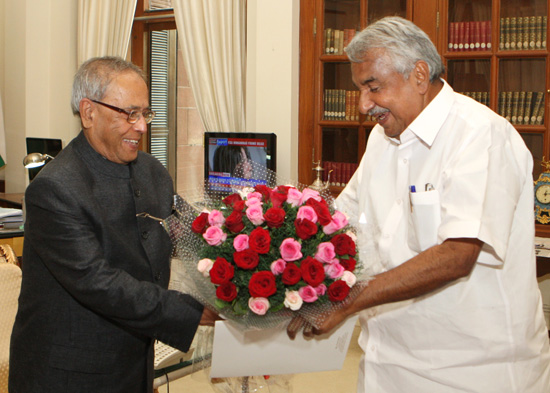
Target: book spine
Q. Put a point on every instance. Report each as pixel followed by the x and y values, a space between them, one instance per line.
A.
pixel 502 34
pixel 456 36
pixel 526 32
pixel 327 40
pixel 488 27
pixel 540 115
pixel 502 103
pixel 519 33
pixel 461 35
pixel 528 106
pixel 467 36
pixel 538 32
pixel 544 31
pixel 532 32
pixel 452 37
pixel 513 33
pixel 508 113
pixel 536 109
pixel 515 101
pixel 521 107
pixel 348 105
pixel 477 35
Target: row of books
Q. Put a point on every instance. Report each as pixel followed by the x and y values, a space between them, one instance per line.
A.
pixel 522 107
pixel 338 173
pixel 341 104
pixel 523 33
pixel 336 40
pixel 479 96
pixel 469 36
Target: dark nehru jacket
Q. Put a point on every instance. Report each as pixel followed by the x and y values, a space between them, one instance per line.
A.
pixel 94 292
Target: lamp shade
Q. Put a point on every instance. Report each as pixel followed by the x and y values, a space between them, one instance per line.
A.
pixel 34 160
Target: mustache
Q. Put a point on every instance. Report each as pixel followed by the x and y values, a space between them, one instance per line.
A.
pixel 377 110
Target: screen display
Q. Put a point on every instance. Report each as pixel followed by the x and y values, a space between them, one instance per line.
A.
pixel 236 158
pixel 42 145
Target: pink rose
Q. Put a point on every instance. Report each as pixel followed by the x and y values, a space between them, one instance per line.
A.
pixel 321 289
pixel 339 220
pixel 253 198
pixel 290 250
pixel 334 270
pixel 308 294
pixel 278 266
pixel 294 197
pixel 308 193
pixel 307 213
pixel 240 242
pixel 325 252
pixel 258 305
pixel 204 266
pixel 216 218
pixel 293 300
pixel 349 278
pixel 255 214
pixel 214 236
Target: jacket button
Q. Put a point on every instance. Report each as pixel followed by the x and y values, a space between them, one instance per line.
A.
pixel 137 193
pixel 158 276
pixel 145 234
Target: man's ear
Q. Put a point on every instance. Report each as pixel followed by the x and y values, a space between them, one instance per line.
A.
pixel 87 112
pixel 421 74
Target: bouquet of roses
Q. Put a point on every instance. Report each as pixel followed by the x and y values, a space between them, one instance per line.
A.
pixel 260 255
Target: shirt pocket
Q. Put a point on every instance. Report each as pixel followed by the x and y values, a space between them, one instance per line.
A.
pixel 426 217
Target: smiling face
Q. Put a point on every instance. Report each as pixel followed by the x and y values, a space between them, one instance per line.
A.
pixel 386 94
pixel 108 131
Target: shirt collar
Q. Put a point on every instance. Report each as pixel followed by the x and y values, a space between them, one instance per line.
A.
pixel 428 123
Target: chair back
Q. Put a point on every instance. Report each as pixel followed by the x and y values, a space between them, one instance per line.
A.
pixel 10 286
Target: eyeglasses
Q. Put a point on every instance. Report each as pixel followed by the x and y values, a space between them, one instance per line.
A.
pixel 133 116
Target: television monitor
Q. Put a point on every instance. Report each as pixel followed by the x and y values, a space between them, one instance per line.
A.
pixel 48 146
pixel 226 155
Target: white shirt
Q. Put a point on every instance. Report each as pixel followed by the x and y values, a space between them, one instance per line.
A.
pixel 486 332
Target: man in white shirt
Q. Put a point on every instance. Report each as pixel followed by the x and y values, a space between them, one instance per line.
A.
pixel 445 192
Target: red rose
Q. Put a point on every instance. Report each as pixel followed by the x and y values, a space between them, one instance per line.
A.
pixel 321 208
pixel 259 240
pixel 305 228
pixel 231 199
pixel 338 291
pixel 313 272
pixel 200 223
pixel 264 190
pixel 291 274
pixel 278 197
pixel 343 244
pixel 239 206
pixel 221 272
pixel 226 291
pixel 348 264
pixel 262 284
pixel 274 217
pixel 246 259
pixel 234 222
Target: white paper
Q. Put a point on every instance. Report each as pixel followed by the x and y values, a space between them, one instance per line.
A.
pixel 270 352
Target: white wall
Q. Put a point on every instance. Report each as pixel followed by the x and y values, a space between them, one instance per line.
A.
pixel 38 57
pixel 38 62
pixel 273 77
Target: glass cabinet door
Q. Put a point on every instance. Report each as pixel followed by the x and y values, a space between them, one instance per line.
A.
pixel 522 98
pixel 523 24
pixel 378 9
pixel 342 20
pixel 469 25
pixel 471 78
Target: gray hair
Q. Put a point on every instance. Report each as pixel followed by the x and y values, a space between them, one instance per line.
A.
pixel 403 41
pixel 94 76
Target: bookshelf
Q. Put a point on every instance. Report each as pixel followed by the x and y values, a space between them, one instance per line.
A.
pixel 494 50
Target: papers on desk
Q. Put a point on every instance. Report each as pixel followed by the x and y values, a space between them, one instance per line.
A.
pixel 542 247
pixel 270 352
pixel 10 218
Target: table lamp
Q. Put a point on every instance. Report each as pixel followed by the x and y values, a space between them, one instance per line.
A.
pixel 34 160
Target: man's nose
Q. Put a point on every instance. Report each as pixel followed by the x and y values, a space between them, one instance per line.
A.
pixel 365 102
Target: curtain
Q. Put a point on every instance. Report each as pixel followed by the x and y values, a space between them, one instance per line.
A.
pixel 212 35
pixel 104 28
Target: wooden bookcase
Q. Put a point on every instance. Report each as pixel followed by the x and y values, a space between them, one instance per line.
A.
pixel 501 73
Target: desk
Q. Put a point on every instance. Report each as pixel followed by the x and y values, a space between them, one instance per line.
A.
pixel 14 201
